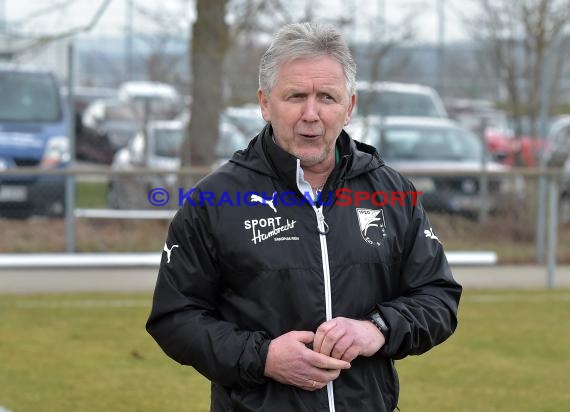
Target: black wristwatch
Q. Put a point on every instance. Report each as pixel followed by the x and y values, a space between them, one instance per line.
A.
pixel 379 322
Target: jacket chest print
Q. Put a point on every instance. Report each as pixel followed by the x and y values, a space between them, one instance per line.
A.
pixel 275 228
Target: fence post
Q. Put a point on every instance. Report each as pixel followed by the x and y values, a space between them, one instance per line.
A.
pixel 70 178
pixel 552 231
pixel 483 178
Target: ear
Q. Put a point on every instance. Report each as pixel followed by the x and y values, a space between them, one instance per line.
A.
pixel 264 104
pixel 350 109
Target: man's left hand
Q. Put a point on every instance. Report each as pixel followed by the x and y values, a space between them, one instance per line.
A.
pixel 345 339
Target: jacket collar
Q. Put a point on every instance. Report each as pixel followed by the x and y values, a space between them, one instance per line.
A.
pixel 264 156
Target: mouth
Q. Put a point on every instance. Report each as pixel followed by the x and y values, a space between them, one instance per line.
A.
pixel 310 136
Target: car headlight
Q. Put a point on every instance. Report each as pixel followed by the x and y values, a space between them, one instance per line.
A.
pixel 57 151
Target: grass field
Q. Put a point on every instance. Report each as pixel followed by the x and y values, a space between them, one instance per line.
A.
pixel 89 352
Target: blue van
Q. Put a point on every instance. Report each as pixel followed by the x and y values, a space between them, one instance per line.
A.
pixel 33 133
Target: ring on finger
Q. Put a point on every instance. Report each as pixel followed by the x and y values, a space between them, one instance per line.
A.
pixel 313 384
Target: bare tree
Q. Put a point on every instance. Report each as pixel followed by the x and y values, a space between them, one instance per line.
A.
pixel 167 28
pixel 26 43
pixel 212 38
pixel 210 41
pixel 518 34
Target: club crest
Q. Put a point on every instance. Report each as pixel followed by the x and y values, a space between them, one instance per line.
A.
pixel 372 225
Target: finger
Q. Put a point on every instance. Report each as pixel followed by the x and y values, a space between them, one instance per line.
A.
pixel 330 341
pixel 303 336
pixel 341 346
pixel 313 385
pixel 350 354
pixel 322 331
pixel 321 361
pixel 326 375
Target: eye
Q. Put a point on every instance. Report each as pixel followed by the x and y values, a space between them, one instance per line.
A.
pixel 295 96
pixel 327 98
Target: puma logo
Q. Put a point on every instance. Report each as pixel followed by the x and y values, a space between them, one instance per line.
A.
pixel 168 252
pixel 429 233
pixel 268 202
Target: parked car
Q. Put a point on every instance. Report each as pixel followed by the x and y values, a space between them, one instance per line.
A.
pixel 107 125
pixel 484 119
pixel 111 121
pixel 418 146
pixel 247 119
pixel 160 151
pixel 163 154
pixel 90 144
pixel 557 155
pixel 398 99
pixel 33 133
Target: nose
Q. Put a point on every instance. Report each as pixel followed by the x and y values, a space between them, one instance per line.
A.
pixel 310 110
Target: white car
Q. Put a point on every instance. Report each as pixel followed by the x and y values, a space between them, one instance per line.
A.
pixel 162 154
pixel 160 151
pixel 398 99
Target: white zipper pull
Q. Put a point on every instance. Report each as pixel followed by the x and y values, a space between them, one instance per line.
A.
pixel 322 225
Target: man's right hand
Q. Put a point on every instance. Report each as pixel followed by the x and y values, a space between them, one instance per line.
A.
pixel 291 362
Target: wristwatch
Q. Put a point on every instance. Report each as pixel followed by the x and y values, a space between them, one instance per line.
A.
pixel 379 322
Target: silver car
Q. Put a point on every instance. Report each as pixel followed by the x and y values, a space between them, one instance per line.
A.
pixel 443 160
pixel 160 152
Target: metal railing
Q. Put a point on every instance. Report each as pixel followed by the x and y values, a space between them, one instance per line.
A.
pixel 80 173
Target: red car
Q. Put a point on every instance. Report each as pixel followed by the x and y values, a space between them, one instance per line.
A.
pixel 505 148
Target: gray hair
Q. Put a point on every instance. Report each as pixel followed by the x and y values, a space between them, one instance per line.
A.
pixel 305 40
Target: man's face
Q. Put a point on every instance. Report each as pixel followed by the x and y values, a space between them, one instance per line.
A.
pixel 308 107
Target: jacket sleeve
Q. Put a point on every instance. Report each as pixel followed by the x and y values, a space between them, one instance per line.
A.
pixel 425 312
pixel 184 320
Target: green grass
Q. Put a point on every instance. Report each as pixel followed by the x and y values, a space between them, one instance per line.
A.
pixel 89 352
pixel 91 195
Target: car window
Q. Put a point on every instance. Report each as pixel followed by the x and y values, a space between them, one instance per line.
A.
pixel 118 111
pixel 231 140
pixel 248 124
pixel 428 143
pixel 29 97
pixel 388 103
pixel 168 142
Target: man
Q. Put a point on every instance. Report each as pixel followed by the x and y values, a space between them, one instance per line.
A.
pixel 287 303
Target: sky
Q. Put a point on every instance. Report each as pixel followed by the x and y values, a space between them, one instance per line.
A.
pixel 31 16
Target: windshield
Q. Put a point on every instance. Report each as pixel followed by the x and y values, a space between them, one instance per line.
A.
pixel 29 97
pixel 388 103
pixel 248 124
pixel 168 142
pixel 427 143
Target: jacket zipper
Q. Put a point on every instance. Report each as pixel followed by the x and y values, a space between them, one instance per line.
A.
pixel 323 229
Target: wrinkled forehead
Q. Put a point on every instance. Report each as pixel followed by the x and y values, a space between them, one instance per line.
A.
pixel 323 69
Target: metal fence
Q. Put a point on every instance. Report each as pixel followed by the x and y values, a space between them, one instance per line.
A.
pixel 106 211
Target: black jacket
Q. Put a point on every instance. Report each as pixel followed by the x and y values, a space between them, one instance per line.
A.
pixel 239 272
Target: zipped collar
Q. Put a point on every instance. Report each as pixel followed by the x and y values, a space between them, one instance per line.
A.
pixel 264 156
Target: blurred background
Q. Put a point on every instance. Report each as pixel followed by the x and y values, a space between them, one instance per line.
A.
pixel 100 102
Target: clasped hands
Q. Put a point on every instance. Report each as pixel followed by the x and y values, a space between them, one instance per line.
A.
pixel 291 361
